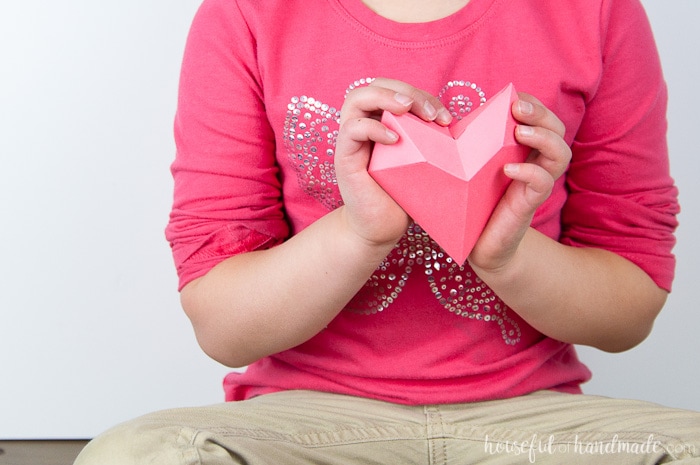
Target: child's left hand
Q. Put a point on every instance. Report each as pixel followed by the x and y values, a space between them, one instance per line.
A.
pixel 532 183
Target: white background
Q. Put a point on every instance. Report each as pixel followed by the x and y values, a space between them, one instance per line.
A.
pixel 91 332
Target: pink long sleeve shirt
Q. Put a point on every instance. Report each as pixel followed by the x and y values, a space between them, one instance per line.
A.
pixel 261 88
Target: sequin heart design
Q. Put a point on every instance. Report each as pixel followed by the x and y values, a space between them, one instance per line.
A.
pixel 310 134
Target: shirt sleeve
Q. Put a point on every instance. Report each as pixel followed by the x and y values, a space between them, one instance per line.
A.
pixel 227 196
pixel 621 194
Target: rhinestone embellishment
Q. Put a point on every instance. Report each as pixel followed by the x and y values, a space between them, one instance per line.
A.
pixel 461 104
pixel 310 133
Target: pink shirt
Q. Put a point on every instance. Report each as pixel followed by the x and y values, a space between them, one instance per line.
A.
pixel 261 87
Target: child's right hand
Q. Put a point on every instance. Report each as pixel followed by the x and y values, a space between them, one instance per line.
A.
pixel 368 210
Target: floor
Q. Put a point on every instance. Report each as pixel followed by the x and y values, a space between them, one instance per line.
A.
pixel 39 452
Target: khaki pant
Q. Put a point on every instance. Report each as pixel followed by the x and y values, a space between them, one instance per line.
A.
pixel 302 427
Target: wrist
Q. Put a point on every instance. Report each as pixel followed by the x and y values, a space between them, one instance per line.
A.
pixel 503 264
pixel 375 243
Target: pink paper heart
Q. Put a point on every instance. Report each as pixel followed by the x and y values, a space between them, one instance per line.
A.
pixel 449 180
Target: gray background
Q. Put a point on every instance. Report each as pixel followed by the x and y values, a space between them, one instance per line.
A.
pixel 91 332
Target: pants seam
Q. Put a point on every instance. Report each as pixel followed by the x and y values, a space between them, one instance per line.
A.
pixel 323 438
pixel 190 452
pixel 433 413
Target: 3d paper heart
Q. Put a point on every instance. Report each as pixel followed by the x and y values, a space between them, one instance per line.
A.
pixel 449 180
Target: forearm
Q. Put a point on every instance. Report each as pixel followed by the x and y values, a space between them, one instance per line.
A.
pixel 578 295
pixel 252 305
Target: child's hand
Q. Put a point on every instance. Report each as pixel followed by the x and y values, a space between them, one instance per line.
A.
pixel 368 209
pixel 532 183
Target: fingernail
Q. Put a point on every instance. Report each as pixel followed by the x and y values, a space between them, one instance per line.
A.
pixel 511 168
pixel 444 116
pixel 404 100
pixel 430 110
pixel 392 135
pixel 525 108
pixel 525 130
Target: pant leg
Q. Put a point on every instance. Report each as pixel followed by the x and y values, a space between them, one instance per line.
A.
pixel 555 428
pixel 298 427
pixel 287 428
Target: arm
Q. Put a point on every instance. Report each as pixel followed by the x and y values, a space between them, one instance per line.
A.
pixel 252 305
pixel 227 201
pixel 578 295
pixel 581 295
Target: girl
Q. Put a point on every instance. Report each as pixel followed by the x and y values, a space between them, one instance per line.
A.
pixel 365 342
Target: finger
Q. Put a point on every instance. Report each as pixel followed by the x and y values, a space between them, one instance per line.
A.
pixel 354 139
pixel 359 130
pixel 550 151
pixel 530 111
pixel 535 183
pixel 425 105
pixel 371 101
pixel 513 215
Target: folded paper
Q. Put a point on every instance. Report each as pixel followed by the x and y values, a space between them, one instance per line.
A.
pixel 449 180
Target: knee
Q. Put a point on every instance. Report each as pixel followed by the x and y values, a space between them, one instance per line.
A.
pixel 146 440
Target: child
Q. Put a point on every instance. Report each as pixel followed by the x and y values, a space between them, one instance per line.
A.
pixel 365 342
